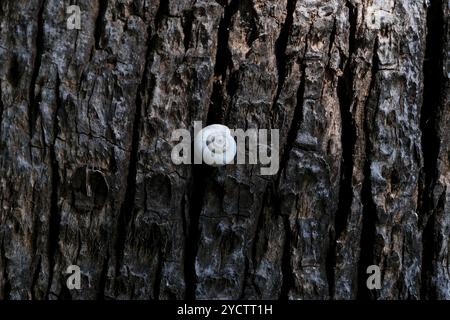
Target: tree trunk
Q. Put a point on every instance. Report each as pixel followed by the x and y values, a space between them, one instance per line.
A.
pixel 358 89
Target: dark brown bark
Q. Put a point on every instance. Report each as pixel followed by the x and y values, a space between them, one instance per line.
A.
pixel 358 89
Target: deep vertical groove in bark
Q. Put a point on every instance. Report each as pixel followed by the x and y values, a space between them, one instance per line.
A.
pixel 296 121
pixel 37 258
pixel 369 218
pixel 353 20
pixel 253 257
pixel 127 208
pixel 188 19
pixel 145 86
pixel 199 184
pixel 1 110
pixel 39 48
pixel 332 39
pixel 54 219
pixel 428 291
pixel 183 215
pixel 157 282
pixel 163 11
pixel 222 64
pixel 36 225
pixel 244 277
pixel 281 45
pixel 348 135
pixel 253 34
pixel 330 264
pixel 37 269
pixel 99 27
pixel 433 90
pixel 345 95
pixel 7 284
pixel 286 267
pixel 200 172
pixel 128 205
pixel 103 277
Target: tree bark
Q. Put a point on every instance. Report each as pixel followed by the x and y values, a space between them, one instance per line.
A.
pixel 358 89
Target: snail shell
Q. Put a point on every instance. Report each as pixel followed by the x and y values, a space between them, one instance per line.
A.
pixel 215 144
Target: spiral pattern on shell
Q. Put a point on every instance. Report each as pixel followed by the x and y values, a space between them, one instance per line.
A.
pixel 216 144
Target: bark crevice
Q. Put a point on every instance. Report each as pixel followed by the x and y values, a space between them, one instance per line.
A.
pixel 200 174
pixel 281 46
pixel 223 63
pixel 430 111
pixel 34 99
pixel 187 22
pixel 103 278
pixel 54 218
pixel 99 27
pixel 369 212
pixel 6 282
pixel 128 205
pixel 2 107
pixel 286 264
pixel 345 93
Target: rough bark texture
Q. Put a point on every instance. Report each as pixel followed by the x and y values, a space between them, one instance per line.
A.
pixel 358 88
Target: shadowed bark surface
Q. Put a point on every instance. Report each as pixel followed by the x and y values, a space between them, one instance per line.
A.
pixel 358 89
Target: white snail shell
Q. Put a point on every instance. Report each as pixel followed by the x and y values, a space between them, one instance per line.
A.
pixel 216 144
